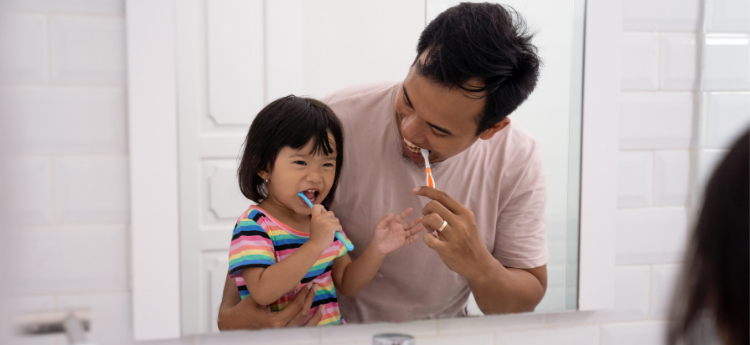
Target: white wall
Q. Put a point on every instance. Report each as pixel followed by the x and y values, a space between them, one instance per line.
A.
pixel 67 70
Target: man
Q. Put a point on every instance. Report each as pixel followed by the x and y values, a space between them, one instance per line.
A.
pixel 475 65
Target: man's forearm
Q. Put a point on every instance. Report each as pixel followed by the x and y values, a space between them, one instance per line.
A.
pixel 501 290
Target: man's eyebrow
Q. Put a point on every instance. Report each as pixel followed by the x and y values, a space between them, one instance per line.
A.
pixel 440 129
pixel 408 101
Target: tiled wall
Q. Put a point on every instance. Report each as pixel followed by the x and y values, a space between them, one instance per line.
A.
pixel 68 101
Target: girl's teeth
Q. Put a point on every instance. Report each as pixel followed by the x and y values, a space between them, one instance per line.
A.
pixel 310 194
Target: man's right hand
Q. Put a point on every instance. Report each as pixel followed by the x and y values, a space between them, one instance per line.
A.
pixel 237 314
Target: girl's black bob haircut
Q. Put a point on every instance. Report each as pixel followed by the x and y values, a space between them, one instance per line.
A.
pixel 288 121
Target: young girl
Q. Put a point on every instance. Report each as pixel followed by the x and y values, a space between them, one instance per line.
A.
pixel 294 146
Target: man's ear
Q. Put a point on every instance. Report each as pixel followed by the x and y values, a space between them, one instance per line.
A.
pixel 490 132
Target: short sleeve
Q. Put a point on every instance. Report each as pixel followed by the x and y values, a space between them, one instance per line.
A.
pixel 342 246
pixel 521 241
pixel 251 247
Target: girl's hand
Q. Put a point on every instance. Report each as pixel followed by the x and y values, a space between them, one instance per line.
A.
pixel 323 225
pixel 390 234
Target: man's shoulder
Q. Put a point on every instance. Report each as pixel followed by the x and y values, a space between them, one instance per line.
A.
pixel 519 144
pixel 363 94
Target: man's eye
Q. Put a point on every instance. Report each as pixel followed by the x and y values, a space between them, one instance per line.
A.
pixel 438 133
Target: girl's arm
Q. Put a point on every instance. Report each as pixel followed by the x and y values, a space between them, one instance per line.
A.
pixel 266 285
pixel 350 277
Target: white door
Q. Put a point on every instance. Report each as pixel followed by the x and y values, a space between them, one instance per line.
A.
pixel 233 57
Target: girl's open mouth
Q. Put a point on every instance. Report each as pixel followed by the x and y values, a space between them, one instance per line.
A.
pixel 311 194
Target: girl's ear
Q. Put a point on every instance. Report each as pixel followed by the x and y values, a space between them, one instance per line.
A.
pixel 264 174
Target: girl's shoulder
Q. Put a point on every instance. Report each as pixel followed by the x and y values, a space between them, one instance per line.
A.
pixel 256 216
pixel 251 215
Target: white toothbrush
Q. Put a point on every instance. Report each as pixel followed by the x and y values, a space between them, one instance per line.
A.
pixel 430 180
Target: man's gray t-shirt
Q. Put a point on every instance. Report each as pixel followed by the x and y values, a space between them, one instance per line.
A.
pixel 500 180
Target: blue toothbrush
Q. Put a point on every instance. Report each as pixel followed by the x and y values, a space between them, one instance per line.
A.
pixel 349 246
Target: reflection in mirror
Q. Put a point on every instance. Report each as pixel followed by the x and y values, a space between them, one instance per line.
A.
pixel 235 57
pixel 552 114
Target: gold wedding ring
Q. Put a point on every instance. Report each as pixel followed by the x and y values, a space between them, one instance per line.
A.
pixel 442 226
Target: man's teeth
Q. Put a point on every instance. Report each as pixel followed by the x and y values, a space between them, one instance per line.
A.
pixel 412 147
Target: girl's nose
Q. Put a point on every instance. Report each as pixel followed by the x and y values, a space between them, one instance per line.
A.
pixel 314 176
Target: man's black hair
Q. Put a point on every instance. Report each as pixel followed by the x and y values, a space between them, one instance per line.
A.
pixel 288 121
pixel 485 41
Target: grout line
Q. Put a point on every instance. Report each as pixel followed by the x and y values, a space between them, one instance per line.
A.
pixel 62 224
pixel 53 191
pixel 67 14
pixel 658 61
pixel 48 74
pixel 50 84
pixel 652 200
pixel 647 208
pixel 658 92
pixel 650 291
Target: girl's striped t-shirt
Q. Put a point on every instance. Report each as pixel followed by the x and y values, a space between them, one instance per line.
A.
pixel 259 240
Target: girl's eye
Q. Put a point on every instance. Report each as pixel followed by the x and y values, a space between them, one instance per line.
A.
pixel 300 162
pixel 328 165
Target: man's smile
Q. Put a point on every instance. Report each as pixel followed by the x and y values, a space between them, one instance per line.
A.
pixel 412 147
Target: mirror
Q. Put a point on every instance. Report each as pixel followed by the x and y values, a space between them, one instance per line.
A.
pixel 236 56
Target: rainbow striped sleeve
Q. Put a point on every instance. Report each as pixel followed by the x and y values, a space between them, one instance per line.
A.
pixel 342 247
pixel 251 246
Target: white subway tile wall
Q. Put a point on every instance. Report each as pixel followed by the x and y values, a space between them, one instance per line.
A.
pixel 640 61
pixel 632 294
pixel 68 98
pixel 91 7
pixel 88 50
pixel 68 120
pixel 72 258
pixel 728 116
pixel 661 15
pixel 677 61
pixel 651 235
pixel 634 178
pixel 671 177
pixel 25 36
pixel 92 189
pixel 656 120
pixel 663 278
pixel 729 16
pixel 33 192
pixel 726 66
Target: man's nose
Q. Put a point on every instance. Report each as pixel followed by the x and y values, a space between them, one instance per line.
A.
pixel 410 128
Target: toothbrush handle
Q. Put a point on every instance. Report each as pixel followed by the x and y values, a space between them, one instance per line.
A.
pixel 430 180
pixel 349 246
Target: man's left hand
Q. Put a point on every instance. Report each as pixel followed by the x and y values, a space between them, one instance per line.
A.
pixel 459 243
